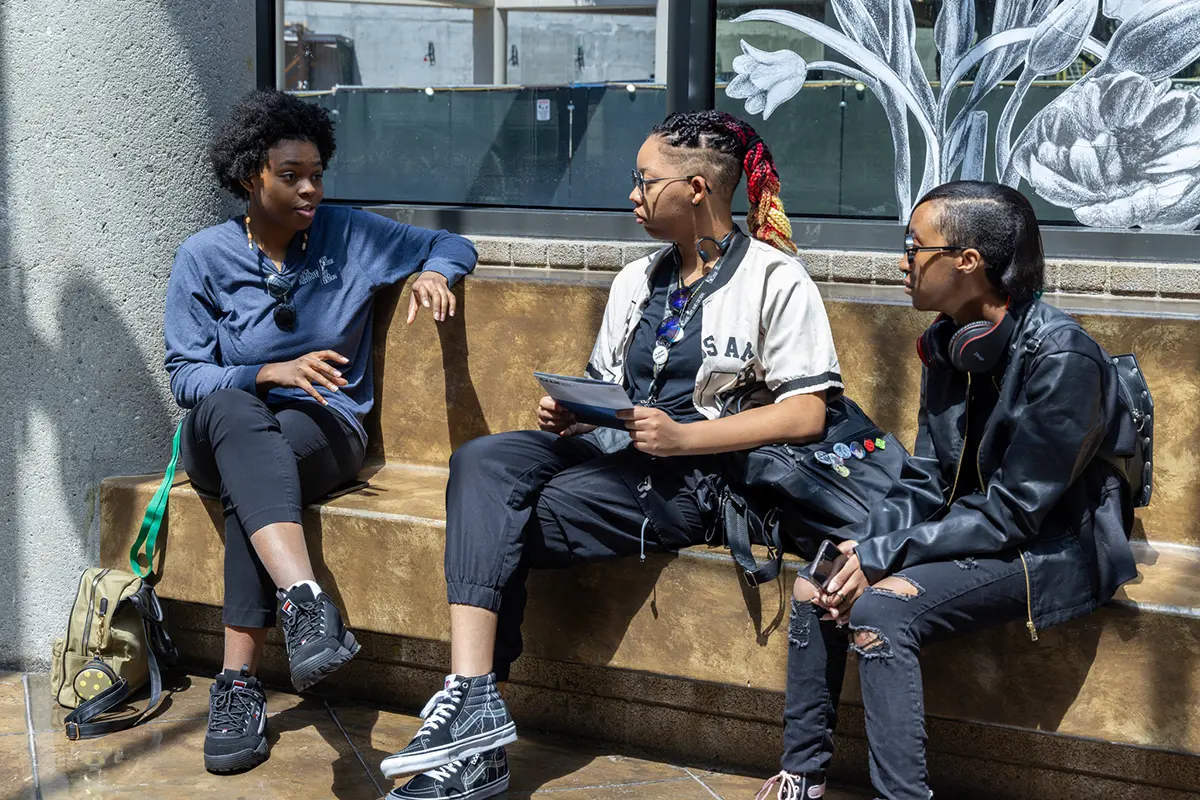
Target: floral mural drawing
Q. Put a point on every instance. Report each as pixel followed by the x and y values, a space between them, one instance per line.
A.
pixel 1120 147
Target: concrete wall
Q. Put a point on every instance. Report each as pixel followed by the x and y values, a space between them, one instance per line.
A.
pixel 391 43
pixel 105 111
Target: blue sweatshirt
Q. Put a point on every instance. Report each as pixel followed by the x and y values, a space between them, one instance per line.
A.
pixel 219 325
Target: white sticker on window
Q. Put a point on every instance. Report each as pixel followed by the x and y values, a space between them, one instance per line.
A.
pixel 543 110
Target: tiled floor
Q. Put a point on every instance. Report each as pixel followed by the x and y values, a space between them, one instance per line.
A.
pixel 320 749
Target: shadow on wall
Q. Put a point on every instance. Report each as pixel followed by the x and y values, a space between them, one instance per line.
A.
pixel 14 333
pixel 85 396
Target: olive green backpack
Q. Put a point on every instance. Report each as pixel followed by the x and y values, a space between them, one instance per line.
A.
pixel 116 639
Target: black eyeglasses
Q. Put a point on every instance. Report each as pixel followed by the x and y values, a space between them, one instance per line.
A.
pixel 911 249
pixel 640 182
pixel 279 287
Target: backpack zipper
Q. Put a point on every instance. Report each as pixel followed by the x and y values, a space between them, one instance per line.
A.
pixel 67 644
pixel 87 627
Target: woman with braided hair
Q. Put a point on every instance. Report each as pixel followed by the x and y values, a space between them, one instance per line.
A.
pixel 713 311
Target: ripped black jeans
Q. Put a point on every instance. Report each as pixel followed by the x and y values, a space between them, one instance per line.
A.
pixel 887 631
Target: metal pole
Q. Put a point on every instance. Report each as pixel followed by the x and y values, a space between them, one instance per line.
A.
pixel 702 71
pixel 281 48
pixel 679 13
pixel 691 54
pixel 264 43
pixel 499 46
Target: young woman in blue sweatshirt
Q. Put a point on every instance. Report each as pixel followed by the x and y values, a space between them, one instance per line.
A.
pixel 268 333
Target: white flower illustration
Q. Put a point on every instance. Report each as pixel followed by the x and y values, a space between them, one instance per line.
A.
pixel 1121 151
pixel 766 80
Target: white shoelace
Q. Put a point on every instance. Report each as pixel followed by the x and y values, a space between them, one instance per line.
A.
pixel 446 772
pixel 439 708
pixel 790 787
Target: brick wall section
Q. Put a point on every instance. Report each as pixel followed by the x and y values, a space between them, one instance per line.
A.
pixel 1138 279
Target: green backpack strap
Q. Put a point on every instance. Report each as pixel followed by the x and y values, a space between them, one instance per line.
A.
pixel 155 512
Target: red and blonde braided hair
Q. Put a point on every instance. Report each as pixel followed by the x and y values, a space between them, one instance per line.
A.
pixel 725 134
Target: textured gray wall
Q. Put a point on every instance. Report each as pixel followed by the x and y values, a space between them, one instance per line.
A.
pixel 105 111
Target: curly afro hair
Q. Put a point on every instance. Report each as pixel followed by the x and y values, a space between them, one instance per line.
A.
pixel 258 122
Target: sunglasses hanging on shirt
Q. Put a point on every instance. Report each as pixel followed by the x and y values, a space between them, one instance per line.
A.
pixel 279 287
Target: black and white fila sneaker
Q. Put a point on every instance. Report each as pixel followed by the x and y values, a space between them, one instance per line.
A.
pixel 480 776
pixel 466 718
pixel 317 641
pixel 237 723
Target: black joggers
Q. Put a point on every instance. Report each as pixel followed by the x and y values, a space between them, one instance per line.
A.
pixel 265 463
pixel 531 499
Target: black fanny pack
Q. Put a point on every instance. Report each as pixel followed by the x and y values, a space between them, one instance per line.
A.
pixel 792 497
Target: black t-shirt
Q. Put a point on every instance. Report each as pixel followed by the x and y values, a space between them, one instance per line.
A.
pixel 980 405
pixel 679 378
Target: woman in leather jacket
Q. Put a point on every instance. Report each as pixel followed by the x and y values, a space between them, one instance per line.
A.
pixel 1004 513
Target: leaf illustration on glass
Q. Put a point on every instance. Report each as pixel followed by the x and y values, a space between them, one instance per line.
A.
pixel 887 29
pixel 974 161
pixel 1119 150
pixel 1055 45
pixel 1158 41
pixel 953 31
pixel 970 149
pixel 766 80
pixel 856 21
pixel 903 54
pixel 1016 14
pixel 1007 15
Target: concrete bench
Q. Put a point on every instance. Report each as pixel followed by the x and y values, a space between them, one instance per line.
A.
pixel 675 655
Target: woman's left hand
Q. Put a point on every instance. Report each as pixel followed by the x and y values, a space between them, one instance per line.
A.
pixel 432 290
pixel 654 432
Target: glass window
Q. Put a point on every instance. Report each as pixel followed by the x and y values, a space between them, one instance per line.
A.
pixel 504 107
pixel 1091 108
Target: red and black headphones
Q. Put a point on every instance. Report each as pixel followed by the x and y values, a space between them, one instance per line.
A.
pixel 974 347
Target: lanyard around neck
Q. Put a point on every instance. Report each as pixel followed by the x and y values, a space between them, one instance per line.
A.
pixel 662 349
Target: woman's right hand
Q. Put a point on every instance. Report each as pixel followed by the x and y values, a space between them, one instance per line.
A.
pixel 553 417
pixel 301 373
pixel 843 590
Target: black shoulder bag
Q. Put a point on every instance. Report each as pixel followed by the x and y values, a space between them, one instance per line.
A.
pixel 792 497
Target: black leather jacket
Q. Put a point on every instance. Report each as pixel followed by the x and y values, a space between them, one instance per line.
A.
pixel 1049 497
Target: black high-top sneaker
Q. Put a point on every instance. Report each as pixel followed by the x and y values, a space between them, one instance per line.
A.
pixel 464 719
pixel 237 723
pixel 317 641
pixel 790 786
pixel 480 776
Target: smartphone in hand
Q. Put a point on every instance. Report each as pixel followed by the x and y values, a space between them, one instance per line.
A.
pixel 828 562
